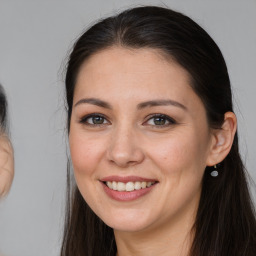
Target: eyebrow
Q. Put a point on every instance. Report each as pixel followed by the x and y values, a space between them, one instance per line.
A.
pixel 94 101
pixel 151 103
pixel 155 103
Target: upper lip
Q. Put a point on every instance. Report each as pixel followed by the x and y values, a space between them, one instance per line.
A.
pixel 126 179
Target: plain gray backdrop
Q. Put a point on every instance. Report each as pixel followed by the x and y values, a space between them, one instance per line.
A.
pixel 35 37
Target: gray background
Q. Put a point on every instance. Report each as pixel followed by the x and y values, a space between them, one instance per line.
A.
pixel 35 37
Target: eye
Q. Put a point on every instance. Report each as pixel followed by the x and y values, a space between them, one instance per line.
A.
pixel 160 120
pixel 94 120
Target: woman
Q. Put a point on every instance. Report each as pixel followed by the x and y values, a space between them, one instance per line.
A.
pixel 6 151
pixel 153 142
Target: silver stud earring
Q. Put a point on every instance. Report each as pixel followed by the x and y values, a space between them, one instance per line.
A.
pixel 214 173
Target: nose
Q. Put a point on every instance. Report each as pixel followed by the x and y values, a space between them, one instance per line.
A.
pixel 124 149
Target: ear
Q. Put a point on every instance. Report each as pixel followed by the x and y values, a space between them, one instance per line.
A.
pixel 222 140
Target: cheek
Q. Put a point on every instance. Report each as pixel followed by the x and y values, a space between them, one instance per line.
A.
pixel 180 162
pixel 180 154
pixel 85 153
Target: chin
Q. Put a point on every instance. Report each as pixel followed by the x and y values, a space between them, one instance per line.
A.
pixel 127 226
pixel 132 221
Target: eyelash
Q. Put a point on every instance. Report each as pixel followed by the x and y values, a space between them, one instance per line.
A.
pixel 84 120
pixel 170 120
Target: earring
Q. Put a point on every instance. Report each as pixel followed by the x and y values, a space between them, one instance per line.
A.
pixel 214 173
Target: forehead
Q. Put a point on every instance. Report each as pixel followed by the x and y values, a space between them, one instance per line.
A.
pixel 127 60
pixel 133 73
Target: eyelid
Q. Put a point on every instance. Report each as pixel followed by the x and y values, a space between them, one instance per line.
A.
pixel 84 118
pixel 168 118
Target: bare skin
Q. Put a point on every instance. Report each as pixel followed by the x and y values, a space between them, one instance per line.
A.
pixel 136 115
pixel 6 165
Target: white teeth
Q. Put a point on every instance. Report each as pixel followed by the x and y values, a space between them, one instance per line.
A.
pixel 143 184
pixel 149 184
pixel 137 185
pixel 109 184
pixel 129 186
pixel 114 185
pixel 121 186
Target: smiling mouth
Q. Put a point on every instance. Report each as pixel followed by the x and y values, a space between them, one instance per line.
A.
pixel 129 186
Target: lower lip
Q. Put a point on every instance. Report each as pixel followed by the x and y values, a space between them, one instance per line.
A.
pixel 124 195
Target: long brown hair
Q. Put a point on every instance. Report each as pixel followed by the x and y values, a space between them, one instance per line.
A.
pixel 225 222
pixel 3 110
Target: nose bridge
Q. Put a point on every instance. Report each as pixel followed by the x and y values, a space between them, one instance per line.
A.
pixel 124 148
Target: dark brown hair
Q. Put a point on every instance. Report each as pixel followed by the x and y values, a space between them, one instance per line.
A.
pixel 225 222
pixel 3 110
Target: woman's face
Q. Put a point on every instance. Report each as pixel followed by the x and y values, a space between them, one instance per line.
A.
pixel 6 164
pixel 139 139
